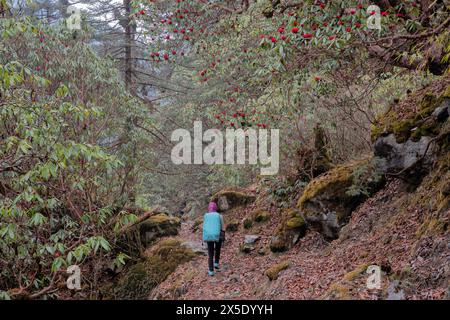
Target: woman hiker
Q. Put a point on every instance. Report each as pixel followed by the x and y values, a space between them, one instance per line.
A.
pixel 213 235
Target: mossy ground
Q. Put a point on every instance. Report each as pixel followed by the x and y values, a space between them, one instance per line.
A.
pixel 413 124
pixel 350 276
pixel 435 192
pixel 159 262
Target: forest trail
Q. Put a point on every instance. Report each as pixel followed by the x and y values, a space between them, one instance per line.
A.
pixel 316 268
pixel 242 276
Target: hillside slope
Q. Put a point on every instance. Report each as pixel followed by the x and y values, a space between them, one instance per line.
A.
pixel 402 227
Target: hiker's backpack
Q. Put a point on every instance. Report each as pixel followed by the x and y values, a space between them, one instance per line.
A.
pixel 211 226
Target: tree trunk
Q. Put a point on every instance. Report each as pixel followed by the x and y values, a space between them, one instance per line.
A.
pixel 128 45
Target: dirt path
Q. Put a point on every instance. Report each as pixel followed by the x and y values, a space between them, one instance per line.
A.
pixel 242 275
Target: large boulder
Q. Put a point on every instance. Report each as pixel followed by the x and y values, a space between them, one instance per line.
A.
pixel 328 200
pixel 229 199
pixel 405 139
pixel 250 241
pixel 251 238
pixel 403 156
pixel 196 247
pixel 157 226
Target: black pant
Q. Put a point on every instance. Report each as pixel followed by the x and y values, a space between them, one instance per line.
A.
pixel 213 253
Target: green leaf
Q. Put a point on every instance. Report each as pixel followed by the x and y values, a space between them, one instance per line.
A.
pixel 57 264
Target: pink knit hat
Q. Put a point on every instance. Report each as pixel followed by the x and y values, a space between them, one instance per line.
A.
pixel 212 207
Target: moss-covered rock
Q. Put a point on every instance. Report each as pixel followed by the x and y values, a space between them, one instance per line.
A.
pixel 328 200
pixel 278 244
pixel 196 225
pixel 229 199
pixel 261 216
pixel 246 248
pixel 295 223
pixel 159 262
pixel 160 225
pixel 247 223
pixel 292 228
pixel 232 226
pixel 273 272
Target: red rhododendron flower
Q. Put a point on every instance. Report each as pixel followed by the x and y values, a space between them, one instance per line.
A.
pixel 307 35
pixel 294 30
